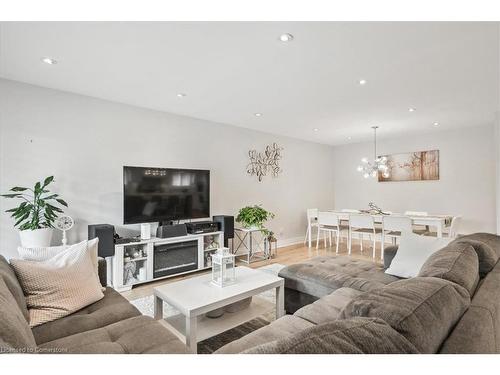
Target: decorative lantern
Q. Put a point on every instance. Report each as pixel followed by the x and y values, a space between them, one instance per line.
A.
pixel 223 268
pixel 271 247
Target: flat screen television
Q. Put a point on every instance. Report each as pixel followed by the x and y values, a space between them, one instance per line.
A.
pixel 164 194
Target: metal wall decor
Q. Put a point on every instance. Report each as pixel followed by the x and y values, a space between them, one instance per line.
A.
pixel 262 163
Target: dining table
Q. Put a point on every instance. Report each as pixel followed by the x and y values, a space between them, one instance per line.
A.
pixel 437 222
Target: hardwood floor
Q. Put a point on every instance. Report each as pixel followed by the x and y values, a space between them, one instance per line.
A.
pixel 286 255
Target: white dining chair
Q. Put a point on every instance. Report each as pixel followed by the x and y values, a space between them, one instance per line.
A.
pixel 452 231
pixel 392 228
pixel 455 223
pixel 329 223
pixel 363 224
pixel 417 229
pixel 312 222
pixel 344 224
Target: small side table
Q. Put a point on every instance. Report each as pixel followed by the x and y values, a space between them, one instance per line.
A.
pixel 252 245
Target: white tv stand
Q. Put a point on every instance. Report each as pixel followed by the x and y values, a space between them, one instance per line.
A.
pixel 207 244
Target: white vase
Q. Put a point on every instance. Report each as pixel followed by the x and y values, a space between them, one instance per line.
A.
pixel 36 238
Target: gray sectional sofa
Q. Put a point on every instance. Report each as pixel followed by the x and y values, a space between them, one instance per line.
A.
pixel 342 305
pixel 335 304
pixel 111 325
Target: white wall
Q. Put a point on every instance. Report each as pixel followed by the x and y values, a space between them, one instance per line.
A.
pixel 466 185
pixel 85 142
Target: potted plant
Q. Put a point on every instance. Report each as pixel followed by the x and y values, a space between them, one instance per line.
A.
pixel 36 214
pixel 253 217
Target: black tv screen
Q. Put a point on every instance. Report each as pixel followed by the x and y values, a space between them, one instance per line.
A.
pixel 164 194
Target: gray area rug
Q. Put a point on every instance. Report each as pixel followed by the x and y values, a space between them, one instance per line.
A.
pixel 211 344
pixel 146 306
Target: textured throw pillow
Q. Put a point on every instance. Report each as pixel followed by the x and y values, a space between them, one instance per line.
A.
pixel 38 254
pixel 353 336
pixel 422 309
pixel 412 253
pixel 457 263
pixel 58 286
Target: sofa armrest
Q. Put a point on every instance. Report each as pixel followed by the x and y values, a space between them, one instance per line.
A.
pixel 102 269
pixel 389 254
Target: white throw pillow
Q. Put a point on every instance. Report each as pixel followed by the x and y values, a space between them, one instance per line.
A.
pixel 59 286
pixel 412 253
pixel 38 254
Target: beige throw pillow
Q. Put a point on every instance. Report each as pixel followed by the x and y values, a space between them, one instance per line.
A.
pixel 59 286
pixel 38 254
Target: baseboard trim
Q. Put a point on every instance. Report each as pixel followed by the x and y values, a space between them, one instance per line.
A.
pixel 290 241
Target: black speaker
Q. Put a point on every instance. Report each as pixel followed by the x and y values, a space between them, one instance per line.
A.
pixel 166 231
pixel 105 233
pixel 226 224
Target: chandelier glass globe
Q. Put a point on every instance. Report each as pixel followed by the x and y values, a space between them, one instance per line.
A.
pixel 379 164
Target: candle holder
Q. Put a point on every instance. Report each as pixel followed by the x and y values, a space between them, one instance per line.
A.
pixel 223 268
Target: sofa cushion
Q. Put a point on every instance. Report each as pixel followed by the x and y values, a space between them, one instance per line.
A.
pixel 423 309
pixel 457 263
pixel 15 332
pixel 284 327
pixel 111 309
pixel 353 336
pixel 321 276
pixel 327 308
pixel 487 247
pixel 478 332
pixel 137 335
pixel 60 285
pixel 9 277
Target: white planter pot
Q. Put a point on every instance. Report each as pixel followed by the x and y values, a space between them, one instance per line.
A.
pixel 36 238
pixel 253 227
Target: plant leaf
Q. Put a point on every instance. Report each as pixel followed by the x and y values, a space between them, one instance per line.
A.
pixel 53 208
pixel 61 201
pixel 21 219
pixel 18 188
pixel 15 195
pixel 48 180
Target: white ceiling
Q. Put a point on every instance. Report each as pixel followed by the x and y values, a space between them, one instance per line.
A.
pixel 231 70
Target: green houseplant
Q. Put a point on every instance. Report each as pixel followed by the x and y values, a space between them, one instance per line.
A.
pixel 36 213
pixel 254 217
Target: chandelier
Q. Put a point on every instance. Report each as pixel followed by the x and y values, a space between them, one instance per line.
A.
pixel 379 164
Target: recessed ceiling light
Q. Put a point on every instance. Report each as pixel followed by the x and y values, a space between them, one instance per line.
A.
pixel 257 114
pixel 411 109
pixel 436 124
pixel 181 95
pixel 349 138
pixel 316 129
pixel 362 82
pixel 48 60
pixel 286 37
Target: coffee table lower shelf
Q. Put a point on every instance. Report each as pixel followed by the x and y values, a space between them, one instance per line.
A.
pixel 209 327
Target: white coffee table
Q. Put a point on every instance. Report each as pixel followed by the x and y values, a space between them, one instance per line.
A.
pixel 196 296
